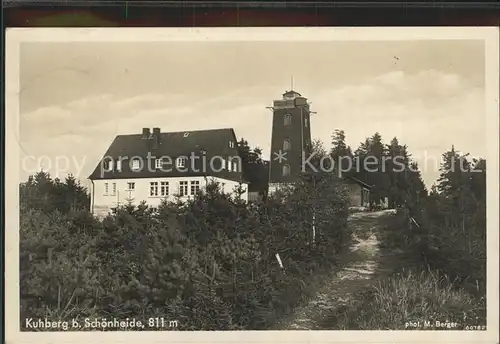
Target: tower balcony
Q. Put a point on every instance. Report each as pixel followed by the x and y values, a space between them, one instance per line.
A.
pixel 290 103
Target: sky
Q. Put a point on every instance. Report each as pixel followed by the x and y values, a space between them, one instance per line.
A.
pixel 75 97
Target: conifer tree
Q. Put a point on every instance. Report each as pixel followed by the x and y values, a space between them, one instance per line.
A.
pixel 341 152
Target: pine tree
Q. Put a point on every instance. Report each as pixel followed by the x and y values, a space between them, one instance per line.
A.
pixel 341 152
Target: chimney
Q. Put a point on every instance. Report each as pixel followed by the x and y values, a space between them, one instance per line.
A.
pixel 156 137
pixel 145 133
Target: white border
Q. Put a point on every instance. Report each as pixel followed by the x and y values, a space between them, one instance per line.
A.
pixel 490 35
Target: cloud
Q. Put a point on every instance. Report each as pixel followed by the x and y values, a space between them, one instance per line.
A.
pixel 429 111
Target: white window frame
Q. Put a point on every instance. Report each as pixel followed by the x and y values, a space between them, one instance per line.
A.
pixel 196 185
pixel 180 162
pixel 164 189
pixel 231 144
pixel 183 188
pixel 129 184
pixel 158 163
pixel 106 189
pixel 136 165
pixel 113 190
pixel 153 189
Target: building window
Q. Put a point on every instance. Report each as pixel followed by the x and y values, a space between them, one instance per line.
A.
pixel 153 189
pixel 181 162
pixel 119 165
pixel 286 145
pixel 158 163
pixel 164 189
pixel 136 165
pixel 130 186
pixel 105 165
pixel 106 188
pixel 305 122
pixel 195 187
pixel 183 188
pixel 288 119
pixel 286 170
pixel 235 166
pixel 231 144
pixel 114 189
pixel 223 162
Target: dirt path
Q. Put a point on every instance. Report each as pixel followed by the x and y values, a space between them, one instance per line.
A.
pixel 365 264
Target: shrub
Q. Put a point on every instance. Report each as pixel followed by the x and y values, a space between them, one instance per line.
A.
pixel 208 263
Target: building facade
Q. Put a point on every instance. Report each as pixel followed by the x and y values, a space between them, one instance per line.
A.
pixel 359 192
pixel 155 166
pixel 290 140
pixel 291 145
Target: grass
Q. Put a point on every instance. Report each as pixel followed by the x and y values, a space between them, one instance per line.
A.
pixel 395 302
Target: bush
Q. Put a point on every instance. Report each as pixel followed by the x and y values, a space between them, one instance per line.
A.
pixel 208 263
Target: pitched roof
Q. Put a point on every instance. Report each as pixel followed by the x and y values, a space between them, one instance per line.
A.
pixel 215 142
pixel 356 180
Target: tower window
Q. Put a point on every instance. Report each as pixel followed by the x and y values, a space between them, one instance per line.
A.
pixel 288 119
pixel 286 145
pixel 231 144
pixel 286 170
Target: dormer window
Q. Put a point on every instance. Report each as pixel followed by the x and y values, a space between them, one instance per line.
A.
pixel 158 163
pixel 231 144
pixel 288 119
pixel 181 162
pixel 136 165
pixel 105 165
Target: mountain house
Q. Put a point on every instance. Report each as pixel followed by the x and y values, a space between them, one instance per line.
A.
pixel 151 166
